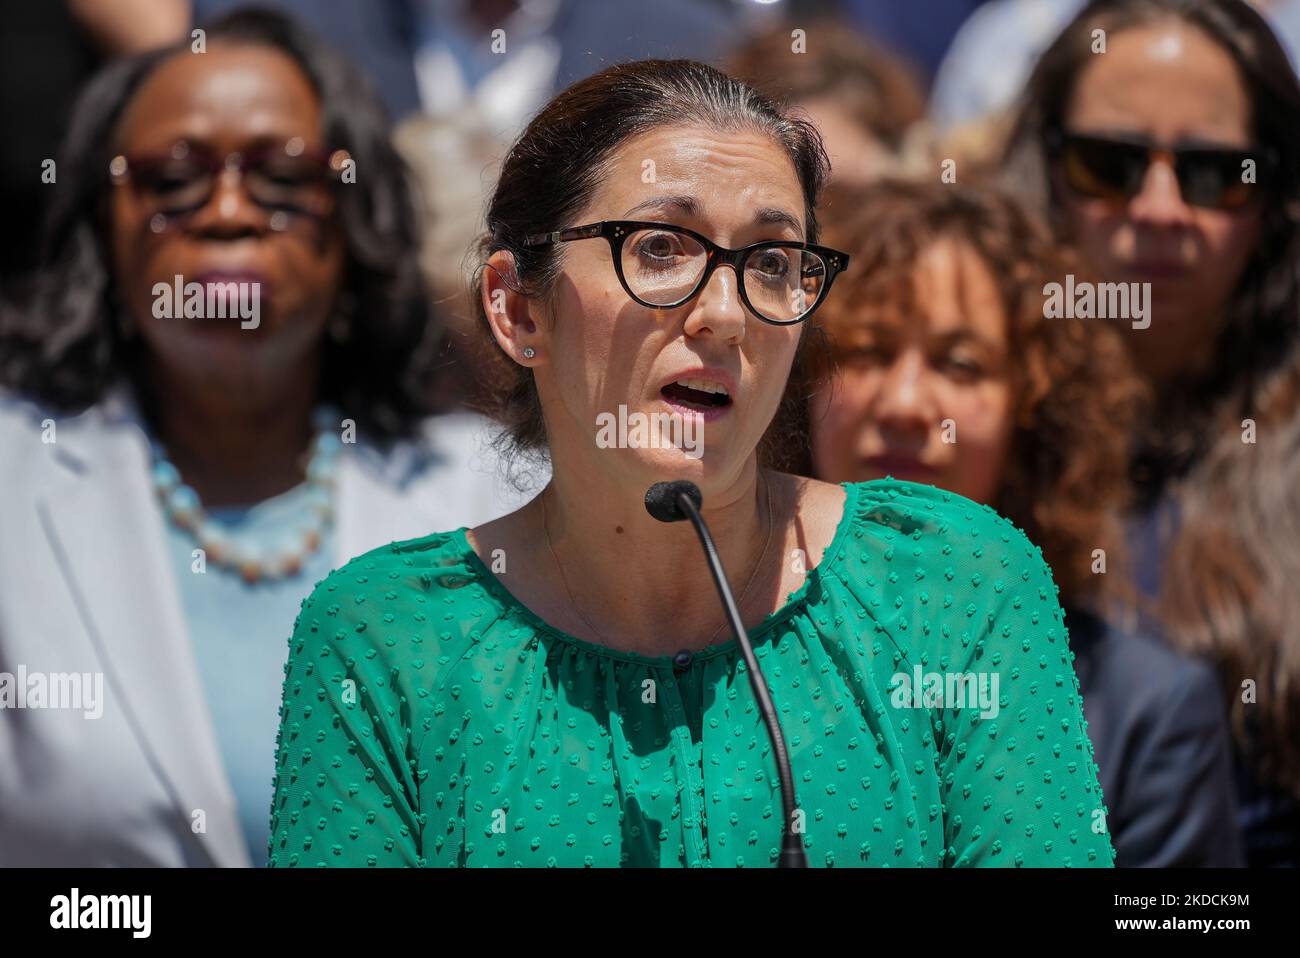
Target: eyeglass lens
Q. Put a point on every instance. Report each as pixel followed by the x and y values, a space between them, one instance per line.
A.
pixel 276 179
pixel 663 268
pixel 1115 170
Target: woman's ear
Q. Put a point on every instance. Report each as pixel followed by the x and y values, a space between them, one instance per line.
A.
pixel 509 310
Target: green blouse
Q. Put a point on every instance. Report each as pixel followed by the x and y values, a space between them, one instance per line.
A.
pixel 430 719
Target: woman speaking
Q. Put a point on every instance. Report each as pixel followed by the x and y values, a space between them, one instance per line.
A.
pixel 553 688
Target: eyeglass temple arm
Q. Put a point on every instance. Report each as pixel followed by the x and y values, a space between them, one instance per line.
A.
pixel 560 236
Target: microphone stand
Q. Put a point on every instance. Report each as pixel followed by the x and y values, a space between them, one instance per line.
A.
pixel 687 495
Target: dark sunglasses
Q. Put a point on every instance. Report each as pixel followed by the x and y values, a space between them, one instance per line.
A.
pixel 662 266
pixel 1113 169
pixel 284 178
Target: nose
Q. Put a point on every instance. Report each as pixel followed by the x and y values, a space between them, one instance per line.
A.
pixel 718 309
pixel 229 212
pixel 905 403
pixel 1160 201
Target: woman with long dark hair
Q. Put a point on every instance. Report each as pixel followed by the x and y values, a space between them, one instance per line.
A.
pixel 1163 136
pixel 555 687
pixel 219 387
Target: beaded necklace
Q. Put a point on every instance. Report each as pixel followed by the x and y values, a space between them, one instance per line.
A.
pixel 183 508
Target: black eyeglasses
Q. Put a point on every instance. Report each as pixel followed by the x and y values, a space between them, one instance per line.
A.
pixel 1113 169
pixel 285 178
pixel 662 266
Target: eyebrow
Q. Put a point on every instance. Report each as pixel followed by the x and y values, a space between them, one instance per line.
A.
pixel 893 323
pixel 689 206
pixel 965 335
pixel 254 142
pixel 1192 142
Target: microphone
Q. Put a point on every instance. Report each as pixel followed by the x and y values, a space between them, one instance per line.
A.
pixel 661 499
pixel 672 502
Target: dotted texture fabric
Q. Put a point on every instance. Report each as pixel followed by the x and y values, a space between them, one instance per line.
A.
pixel 429 719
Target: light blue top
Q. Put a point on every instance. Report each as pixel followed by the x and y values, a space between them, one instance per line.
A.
pixel 238 635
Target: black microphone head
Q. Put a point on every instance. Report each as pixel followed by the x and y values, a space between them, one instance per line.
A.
pixel 661 499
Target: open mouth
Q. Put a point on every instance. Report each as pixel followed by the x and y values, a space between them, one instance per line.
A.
pixel 702 394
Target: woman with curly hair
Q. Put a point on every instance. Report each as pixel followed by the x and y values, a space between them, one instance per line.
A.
pixel 948 371
pixel 218 389
pixel 1173 160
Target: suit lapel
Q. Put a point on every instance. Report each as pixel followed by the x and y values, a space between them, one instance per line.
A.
pixel 107 535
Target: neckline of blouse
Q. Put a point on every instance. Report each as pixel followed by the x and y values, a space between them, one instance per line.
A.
pixel 793 601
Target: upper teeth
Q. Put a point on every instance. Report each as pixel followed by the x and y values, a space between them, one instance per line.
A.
pixel 703 385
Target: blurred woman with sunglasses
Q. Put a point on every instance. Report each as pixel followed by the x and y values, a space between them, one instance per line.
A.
pixel 556 688
pixel 948 372
pixel 1162 135
pixel 220 389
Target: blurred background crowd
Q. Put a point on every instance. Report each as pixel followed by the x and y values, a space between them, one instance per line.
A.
pixel 981 150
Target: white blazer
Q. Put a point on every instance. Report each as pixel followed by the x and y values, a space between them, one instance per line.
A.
pixel 86 587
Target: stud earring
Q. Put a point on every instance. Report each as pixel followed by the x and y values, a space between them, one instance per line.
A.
pixel 529 352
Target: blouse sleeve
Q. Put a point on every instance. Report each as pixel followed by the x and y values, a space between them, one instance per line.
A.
pixel 1018 778
pixel 345 791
